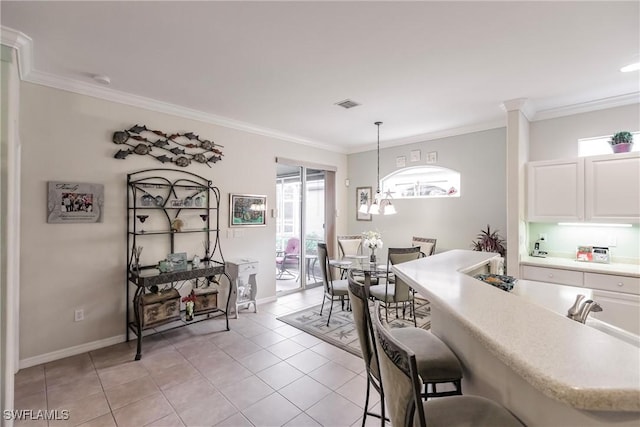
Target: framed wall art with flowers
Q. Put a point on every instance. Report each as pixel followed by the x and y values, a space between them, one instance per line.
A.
pixel 363 200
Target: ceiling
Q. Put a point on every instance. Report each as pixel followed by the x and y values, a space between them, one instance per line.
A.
pixel 425 69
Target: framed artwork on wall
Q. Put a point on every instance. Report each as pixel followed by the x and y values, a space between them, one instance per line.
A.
pixel 247 210
pixel 74 202
pixel 363 199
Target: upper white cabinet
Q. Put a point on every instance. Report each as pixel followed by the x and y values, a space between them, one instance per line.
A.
pixel 555 190
pixel 613 188
pixel 597 189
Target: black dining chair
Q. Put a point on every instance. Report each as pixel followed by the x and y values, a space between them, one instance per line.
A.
pixel 334 290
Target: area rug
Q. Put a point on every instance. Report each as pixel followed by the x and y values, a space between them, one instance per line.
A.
pixel 341 331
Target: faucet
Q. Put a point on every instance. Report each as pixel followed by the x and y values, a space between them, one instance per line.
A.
pixel 579 312
pixel 588 307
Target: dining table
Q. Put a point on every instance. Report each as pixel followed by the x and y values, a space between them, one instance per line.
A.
pixel 360 265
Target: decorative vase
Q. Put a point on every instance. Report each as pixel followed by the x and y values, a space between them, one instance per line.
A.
pixel 625 147
pixel 189 311
pixel 372 257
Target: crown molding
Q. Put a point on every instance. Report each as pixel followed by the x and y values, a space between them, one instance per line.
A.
pixel 424 137
pixel 23 44
pixel 585 107
pixel 101 92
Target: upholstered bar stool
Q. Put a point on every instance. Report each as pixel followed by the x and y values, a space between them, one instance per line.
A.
pixel 399 372
pixel 437 361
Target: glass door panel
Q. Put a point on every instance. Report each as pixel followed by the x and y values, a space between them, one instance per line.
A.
pixel 314 224
pixel 289 184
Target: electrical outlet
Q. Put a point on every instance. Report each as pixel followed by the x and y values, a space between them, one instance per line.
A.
pixel 78 315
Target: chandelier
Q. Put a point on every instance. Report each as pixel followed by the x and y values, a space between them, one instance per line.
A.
pixel 382 204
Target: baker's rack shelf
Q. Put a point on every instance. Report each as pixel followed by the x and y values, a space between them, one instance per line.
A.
pixel 159 203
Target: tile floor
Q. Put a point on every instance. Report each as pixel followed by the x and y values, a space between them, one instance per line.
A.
pixel 261 373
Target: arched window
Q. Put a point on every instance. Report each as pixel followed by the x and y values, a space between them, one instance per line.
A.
pixel 422 182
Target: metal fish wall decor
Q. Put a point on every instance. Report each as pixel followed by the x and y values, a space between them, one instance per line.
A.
pixel 178 148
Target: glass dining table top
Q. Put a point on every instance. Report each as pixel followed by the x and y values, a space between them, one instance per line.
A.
pixel 359 263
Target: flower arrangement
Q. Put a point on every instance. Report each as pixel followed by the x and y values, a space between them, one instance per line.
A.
pixel 190 301
pixel 372 239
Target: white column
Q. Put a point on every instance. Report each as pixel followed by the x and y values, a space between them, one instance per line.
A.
pixel 517 155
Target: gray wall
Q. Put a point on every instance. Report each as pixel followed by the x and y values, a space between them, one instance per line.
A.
pixel 558 138
pixel 480 157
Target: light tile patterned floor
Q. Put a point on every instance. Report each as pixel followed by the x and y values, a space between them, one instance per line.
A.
pixel 261 373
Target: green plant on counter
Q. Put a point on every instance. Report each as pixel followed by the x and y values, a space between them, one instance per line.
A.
pixel 490 241
pixel 621 138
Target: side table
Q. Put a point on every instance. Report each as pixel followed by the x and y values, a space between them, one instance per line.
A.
pixel 242 272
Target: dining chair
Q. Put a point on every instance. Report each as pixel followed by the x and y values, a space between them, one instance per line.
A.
pixel 399 373
pixel 427 245
pixel 349 246
pixel 291 254
pixel 437 364
pixel 334 290
pixel 362 321
pixel 395 290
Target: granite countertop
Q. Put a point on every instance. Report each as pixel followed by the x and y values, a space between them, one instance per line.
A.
pixel 566 360
pixel 632 270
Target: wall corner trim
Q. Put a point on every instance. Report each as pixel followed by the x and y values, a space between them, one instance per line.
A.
pixel 24 47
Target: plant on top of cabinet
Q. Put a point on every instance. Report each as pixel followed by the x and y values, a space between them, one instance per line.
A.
pixel 621 142
pixel 490 241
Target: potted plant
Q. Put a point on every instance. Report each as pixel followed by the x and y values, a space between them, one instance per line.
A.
pixel 621 142
pixel 490 241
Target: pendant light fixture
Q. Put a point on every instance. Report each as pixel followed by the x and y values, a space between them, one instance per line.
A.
pixel 381 205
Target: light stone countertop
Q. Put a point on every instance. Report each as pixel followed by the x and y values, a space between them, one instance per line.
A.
pixel 632 270
pixel 567 361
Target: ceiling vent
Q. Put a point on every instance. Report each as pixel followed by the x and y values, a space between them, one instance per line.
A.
pixel 347 103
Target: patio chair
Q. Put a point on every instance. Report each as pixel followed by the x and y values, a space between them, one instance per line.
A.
pixel 290 255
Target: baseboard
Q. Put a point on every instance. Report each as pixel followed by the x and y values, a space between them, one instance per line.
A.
pixel 266 300
pixel 70 351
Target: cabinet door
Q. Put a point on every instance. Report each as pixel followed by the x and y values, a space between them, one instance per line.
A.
pixel 614 283
pixel 613 188
pixel 621 310
pixel 555 190
pixel 552 275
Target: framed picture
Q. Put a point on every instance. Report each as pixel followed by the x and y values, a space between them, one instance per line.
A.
pixel 363 198
pixel 247 210
pixel 178 261
pixel 73 202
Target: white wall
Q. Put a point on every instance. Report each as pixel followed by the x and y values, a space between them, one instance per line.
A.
pixel 67 137
pixel 480 158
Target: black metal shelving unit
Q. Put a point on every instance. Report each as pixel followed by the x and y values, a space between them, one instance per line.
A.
pixel 163 198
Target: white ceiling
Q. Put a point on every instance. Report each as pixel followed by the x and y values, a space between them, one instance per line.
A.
pixel 423 68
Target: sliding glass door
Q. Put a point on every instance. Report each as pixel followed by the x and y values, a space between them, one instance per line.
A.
pixel 300 194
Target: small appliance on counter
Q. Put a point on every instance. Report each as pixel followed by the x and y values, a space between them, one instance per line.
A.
pixel 539 249
pixel 593 254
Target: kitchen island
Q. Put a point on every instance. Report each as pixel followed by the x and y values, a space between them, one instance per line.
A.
pixel 547 369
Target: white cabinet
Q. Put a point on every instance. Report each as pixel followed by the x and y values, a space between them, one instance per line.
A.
pixel 621 310
pixel 614 283
pixel 596 189
pixel 552 275
pixel 244 286
pixel 612 188
pixel 618 295
pixel 555 190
